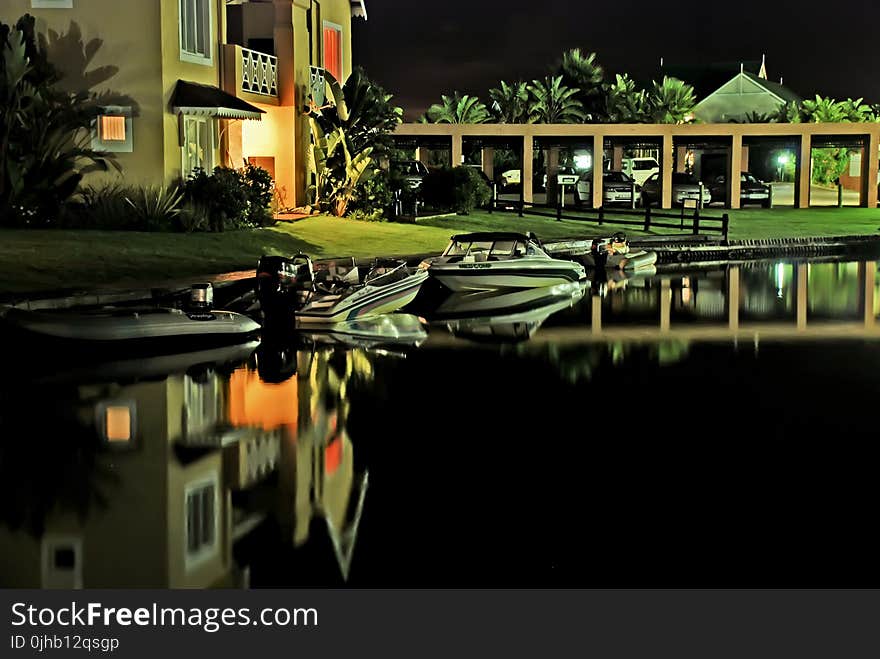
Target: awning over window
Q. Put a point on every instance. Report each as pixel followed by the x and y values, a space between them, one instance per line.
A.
pixel 209 101
pixel 359 9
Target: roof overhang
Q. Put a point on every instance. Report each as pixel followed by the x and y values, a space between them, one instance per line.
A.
pixel 191 98
pixel 359 9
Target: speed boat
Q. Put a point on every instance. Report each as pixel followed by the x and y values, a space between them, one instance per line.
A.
pixel 499 260
pixel 111 325
pixel 332 291
pixel 615 252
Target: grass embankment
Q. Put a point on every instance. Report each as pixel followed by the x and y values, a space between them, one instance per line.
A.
pixel 41 260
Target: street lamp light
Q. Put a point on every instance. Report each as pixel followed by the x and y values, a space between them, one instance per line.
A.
pixel 782 161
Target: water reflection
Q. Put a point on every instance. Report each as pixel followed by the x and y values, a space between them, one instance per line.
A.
pixel 461 448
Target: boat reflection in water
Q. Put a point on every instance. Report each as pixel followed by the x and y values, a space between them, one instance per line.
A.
pixel 505 316
pixel 152 473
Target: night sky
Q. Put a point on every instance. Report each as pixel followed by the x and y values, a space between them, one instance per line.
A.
pixel 418 49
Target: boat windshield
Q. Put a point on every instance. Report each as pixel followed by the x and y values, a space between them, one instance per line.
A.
pixel 494 250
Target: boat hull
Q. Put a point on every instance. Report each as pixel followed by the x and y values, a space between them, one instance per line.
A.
pixel 489 277
pixel 363 303
pixel 122 325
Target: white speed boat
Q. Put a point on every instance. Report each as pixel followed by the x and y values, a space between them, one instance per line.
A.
pixel 499 260
pixel 109 325
pixel 331 291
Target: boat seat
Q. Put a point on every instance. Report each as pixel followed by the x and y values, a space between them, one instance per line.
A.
pixel 480 257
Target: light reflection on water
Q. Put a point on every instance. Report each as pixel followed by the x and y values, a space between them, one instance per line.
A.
pixel 690 428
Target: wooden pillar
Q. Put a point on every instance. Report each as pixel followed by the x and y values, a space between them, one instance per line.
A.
pixel 528 157
pixel 617 158
pixel 870 167
pixel 803 173
pixel 456 149
pixel 596 312
pixel 744 166
pixel 733 297
pixel 868 279
pixel 800 273
pixel 666 171
pixel 681 153
pixel 735 162
pixel 665 305
pixel 598 157
pixel 487 159
pixel 423 155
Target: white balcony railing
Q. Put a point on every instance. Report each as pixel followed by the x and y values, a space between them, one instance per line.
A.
pixel 259 73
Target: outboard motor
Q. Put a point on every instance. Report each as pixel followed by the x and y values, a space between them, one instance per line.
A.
pixel 201 297
pixel 598 252
pixel 283 283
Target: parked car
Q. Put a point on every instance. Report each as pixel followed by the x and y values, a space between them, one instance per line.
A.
pixel 640 169
pixel 412 172
pixel 616 189
pixel 510 177
pixel 751 190
pixel 684 186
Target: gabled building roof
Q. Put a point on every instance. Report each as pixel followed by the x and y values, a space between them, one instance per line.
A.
pixel 777 89
pixel 706 78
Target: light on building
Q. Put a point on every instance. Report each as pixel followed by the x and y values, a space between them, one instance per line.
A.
pixel 583 161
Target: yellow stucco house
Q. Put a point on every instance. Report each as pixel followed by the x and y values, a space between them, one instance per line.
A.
pixel 204 82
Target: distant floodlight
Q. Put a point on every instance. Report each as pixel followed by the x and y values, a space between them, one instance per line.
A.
pixel 783 159
pixel 584 161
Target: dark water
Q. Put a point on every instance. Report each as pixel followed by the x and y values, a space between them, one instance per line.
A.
pixel 695 428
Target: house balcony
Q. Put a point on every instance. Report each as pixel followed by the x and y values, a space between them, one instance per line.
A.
pixel 250 75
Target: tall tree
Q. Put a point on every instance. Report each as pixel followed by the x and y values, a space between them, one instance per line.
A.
pixel 510 103
pixel 624 103
pixel 581 70
pixel 457 109
pixel 672 101
pixel 553 102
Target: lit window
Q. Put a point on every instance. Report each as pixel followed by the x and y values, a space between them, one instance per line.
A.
pixel 201 521
pixel 195 31
pixel 117 425
pixel 112 130
pixel 52 4
pixel 197 145
pixel 333 49
pixel 116 421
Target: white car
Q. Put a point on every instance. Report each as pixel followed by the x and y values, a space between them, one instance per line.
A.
pixel 640 169
pixel 511 177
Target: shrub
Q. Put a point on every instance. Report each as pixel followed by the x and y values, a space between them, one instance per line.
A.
pixel 461 189
pixel 154 208
pixel 367 215
pixel 470 190
pixel 231 198
pixel 374 196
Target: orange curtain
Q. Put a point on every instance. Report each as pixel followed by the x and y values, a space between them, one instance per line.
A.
pixel 332 52
pixel 112 128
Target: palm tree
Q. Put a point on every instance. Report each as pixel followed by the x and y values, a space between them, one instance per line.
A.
pixel 823 110
pixel 790 113
pixel 510 103
pixel 552 102
pixel 368 117
pixel 624 103
pixel 856 111
pixel 457 109
pixel 582 71
pixel 672 101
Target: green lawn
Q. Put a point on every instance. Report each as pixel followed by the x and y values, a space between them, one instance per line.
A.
pixel 40 260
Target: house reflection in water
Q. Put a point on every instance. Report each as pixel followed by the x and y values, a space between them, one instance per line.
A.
pixel 183 451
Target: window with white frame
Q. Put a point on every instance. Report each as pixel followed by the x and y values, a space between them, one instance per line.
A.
pixel 112 130
pixel 62 561
pixel 201 521
pixel 195 31
pixel 198 144
pixel 201 404
pixel 52 4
